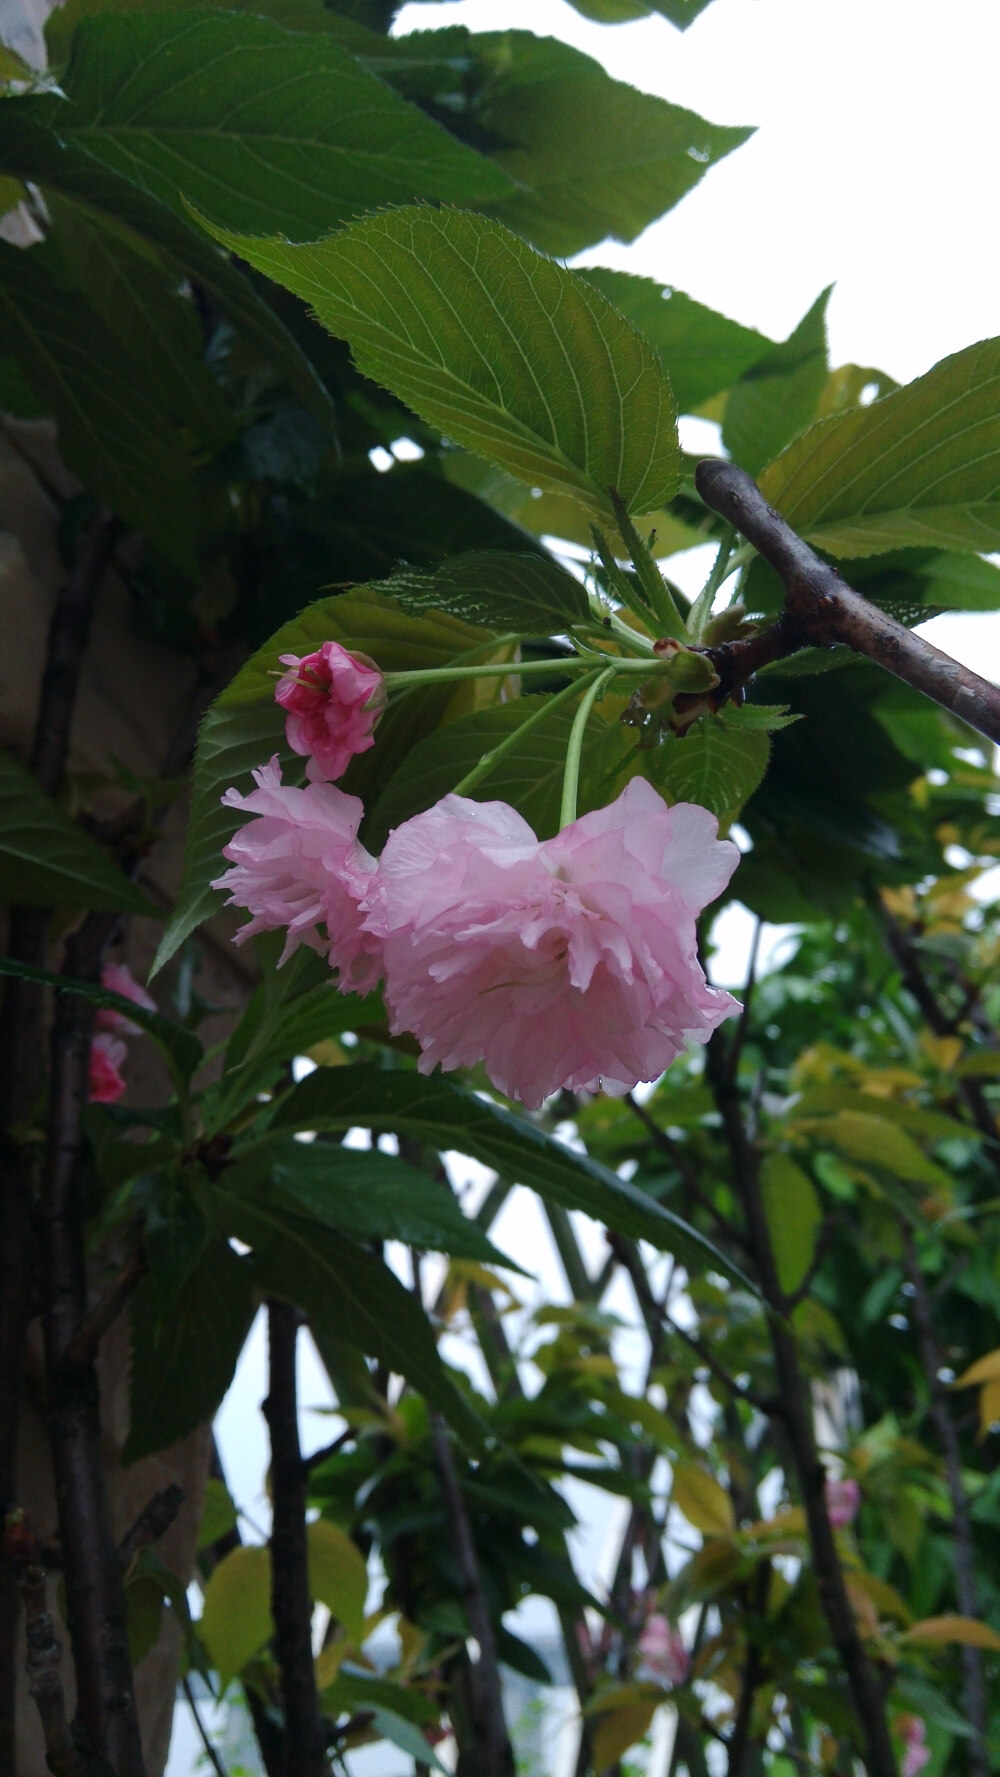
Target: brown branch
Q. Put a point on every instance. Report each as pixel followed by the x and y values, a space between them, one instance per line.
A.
pixel 965 1555
pixel 95 1595
pixel 494 1753
pixel 673 1151
pixel 21 1062
pixel 738 1745
pixel 823 611
pixel 152 1523
pixel 23 1552
pixel 83 1347
pixel 861 1675
pixel 291 1599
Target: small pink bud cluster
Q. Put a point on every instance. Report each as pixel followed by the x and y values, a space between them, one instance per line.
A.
pixel 108 1050
pixel 912 1731
pixel 842 1501
pixel 665 1659
pixel 566 962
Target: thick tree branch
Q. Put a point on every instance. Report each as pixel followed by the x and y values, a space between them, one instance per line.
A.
pixel 44 1656
pixel 862 1679
pixel 21 1060
pixel 291 1599
pixel 965 1555
pixel 95 1596
pixel 821 610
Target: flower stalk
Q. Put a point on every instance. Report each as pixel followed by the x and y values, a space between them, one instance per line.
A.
pixel 574 751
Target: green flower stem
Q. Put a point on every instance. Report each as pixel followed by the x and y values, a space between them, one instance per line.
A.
pixel 433 675
pixel 701 610
pixel 489 760
pixel 571 776
pixel 657 591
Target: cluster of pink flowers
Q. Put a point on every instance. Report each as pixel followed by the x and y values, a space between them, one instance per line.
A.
pixel 569 961
pixel 108 1051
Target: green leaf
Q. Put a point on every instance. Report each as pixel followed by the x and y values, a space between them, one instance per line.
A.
pixel 351 1296
pixel 793 1214
pixel 504 351
pixel 779 394
pixel 499 590
pixel 592 156
pixel 338 1575
pixel 703 1499
pixel 367 1195
pixel 236 1617
pixel 715 764
pixel 181 1047
pixel 218 1513
pixel 245 726
pixel 46 860
pixel 407 1736
pixel 260 128
pixel 183 1362
pixel 445 1116
pixel 112 432
pixel 701 351
pixel 529 777
pixel 135 293
pixel 293 1029
pixel 875 1141
pixel 920 466
pixel 34 150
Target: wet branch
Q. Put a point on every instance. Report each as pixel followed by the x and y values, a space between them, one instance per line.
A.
pixel 291 1599
pixel 821 610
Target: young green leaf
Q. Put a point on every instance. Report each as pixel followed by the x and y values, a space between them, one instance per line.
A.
pixel 261 128
pixel 714 764
pixel 504 351
pixel 498 589
pixel 793 1216
pixel 778 394
pixel 920 466
pixel 701 351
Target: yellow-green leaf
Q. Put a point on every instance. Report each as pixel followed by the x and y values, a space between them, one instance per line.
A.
pixel 793 1216
pixel 985 1369
pixel 942 1631
pixel 620 1729
pixel 504 351
pixel 877 1142
pixel 703 1500
pixel 338 1575
pixel 236 1620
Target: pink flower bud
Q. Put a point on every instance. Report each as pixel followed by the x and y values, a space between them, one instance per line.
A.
pixel 118 978
pixel 334 700
pixel 842 1501
pixel 912 1731
pixel 104 1080
pixel 664 1656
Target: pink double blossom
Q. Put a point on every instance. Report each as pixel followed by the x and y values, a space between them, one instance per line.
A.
pixel 568 962
pixel 333 700
pixel 297 864
pixel 842 1501
pixel 108 1053
pixel 664 1657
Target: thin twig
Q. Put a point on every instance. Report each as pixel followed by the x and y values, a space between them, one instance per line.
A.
pixel 152 1523
pixel 673 1150
pixel 203 1734
pixel 821 610
pixel 83 1346
pixel 494 1751
pixel 861 1676
pixel 291 1600
pixel 965 1554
